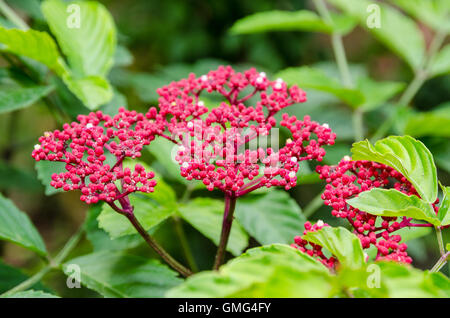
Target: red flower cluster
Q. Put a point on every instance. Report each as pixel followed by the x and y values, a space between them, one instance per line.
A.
pixel 84 147
pixel 313 249
pixel 212 144
pixel 347 180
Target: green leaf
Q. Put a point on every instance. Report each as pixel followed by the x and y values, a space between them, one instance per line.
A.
pixel 341 243
pixel 93 91
pixel 16 227
pixel 122 57
pixel 411 48
pixel 268 271
pixel 408 156
pixel 376 93
pixel 425 123
pixel 206 215
pixel 31 294
pixel 89 46
pixel 115 274
pixel 272 217
pixel 394 203
pixel 35 45
pixel 407 282
pixel 303 20
pixel 444 209
pixel 441 62
pixel 44 170
pixel 18 98
pixel 307 77
pixel 433 12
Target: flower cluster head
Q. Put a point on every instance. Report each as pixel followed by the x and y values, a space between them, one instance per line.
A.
pixel 348 179
pixel 93 150
pixel 220 146
pixel 312 249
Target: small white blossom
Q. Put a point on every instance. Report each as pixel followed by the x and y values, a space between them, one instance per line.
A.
pixel 89 126
pixel 292 174
pixel 320 223
pixel 37 147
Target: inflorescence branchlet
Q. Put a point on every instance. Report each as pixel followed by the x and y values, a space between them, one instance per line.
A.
pixel 213 143
pixel 86 147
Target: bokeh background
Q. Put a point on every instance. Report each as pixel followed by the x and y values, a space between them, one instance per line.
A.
pixel 161 41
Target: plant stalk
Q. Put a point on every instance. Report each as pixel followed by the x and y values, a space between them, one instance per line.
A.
pixel 440 263
pixel 158 249
pixel 55 263
pixel 230 204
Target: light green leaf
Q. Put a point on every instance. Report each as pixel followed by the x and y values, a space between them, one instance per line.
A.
pixel 433 12
pixel 341 243
pixel 307 77
pixel 35 45
pixel 394 203
pixel 444 209
pixel 89 45
pixel 376 93
pixel 267 21
pixel 411 47
pixel 93 91
pixel 407 282
pixel 45 170
pixel 272 217
pixel 16 227
pixel 31 294
pixel 425 123
pixel 268 271
pixel 206 215
pixel 115 274
pixel 408 156
pixel 18 98
pixel 441 63
pixel 122 57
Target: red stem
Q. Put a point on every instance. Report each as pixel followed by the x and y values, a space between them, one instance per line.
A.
pixel 230 204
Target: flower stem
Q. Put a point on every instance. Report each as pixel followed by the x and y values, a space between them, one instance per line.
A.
pixel 185 244
pixel 230 204
pixel 440 263
pixel 440 240
pixel 12 16
pixel 158 249
pixel 55 263
pixel 358 124
pixel 313 205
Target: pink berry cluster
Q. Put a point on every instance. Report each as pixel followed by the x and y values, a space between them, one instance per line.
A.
pixel 312 249
pixel 212 143
pixel 87 145
pixel 347 180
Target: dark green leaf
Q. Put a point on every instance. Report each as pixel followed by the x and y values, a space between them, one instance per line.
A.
pixel 272 217
pixel 18 98
pixel 16 227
